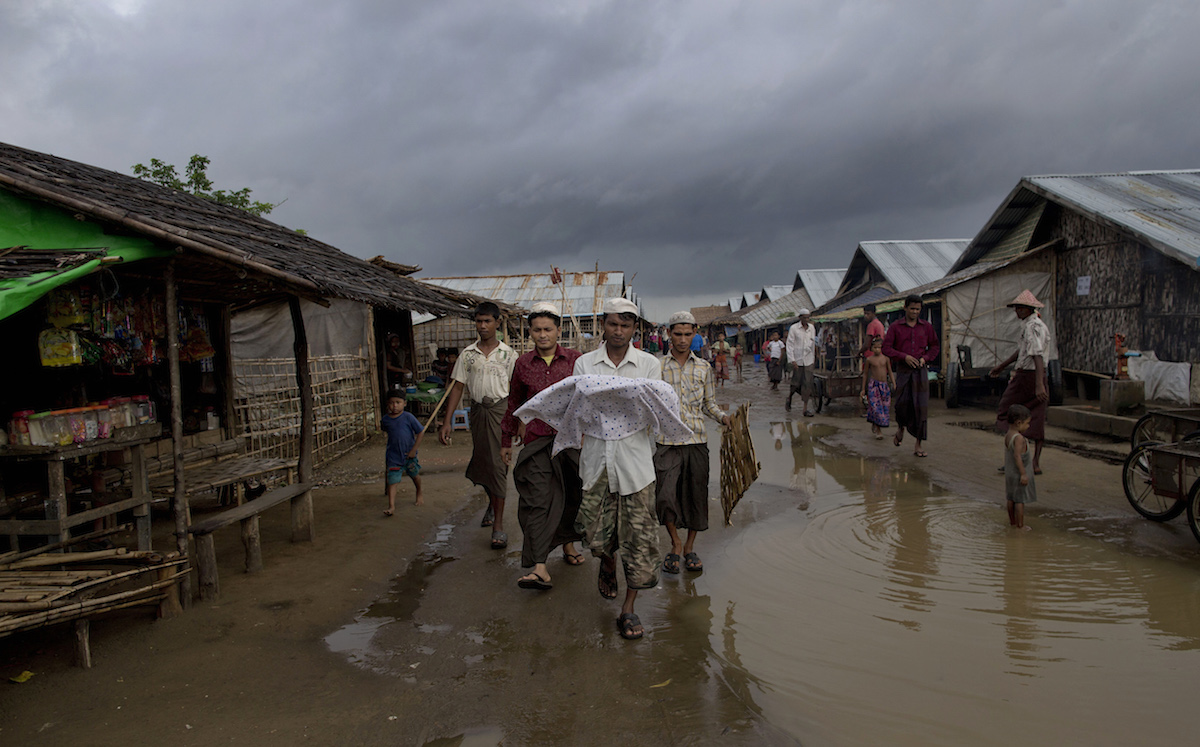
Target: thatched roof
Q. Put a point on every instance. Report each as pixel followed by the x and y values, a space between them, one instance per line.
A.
pixel 225 254
pixel 468 301
pixel 706 314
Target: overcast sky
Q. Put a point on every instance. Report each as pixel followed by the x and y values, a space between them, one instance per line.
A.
pixel 709 147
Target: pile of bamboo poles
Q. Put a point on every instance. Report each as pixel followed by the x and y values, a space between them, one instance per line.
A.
pixel 739 465
pixel 41 587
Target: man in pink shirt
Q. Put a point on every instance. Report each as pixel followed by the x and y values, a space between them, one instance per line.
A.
pixel 874 329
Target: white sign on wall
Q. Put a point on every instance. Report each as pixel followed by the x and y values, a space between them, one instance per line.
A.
pixel 1083 285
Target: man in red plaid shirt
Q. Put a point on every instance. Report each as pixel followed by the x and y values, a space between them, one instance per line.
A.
pixel 548 486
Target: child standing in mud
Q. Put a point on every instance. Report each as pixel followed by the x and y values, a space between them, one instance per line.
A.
pixel 1019 488
pixel 404 433
pixel 877 387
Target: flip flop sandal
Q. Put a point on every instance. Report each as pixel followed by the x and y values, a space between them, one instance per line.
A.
pixel 573 558
pixel 499 540
pixel 607 582
pixel 671 563
pixel 692 562
pixel 488 518
pixel 897 439
pixel 626 624
pixel 537 582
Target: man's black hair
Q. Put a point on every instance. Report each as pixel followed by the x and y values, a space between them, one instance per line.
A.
pixel 869 307
pixel 914 298
pixel 546 315
pixel 397 394
pixel 487 308
pixel 625 316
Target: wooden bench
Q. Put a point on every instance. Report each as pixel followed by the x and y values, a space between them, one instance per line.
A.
pixel 247 513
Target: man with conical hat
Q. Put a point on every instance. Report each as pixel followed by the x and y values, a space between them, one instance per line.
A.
pixel 1027 386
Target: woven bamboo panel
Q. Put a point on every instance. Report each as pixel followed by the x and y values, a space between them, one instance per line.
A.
pixel 739 464
pixel 267 404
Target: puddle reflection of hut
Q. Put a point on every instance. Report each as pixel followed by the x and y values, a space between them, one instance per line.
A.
pixel 145 283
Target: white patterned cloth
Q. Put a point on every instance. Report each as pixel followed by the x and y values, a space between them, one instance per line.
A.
pixel 610 409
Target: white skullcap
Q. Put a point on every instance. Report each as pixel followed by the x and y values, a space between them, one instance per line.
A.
pixel 804 312
pixel 620 306
pixel 681 317
pixel 544 307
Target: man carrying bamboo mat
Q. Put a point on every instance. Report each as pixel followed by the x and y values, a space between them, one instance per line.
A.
pixel 681 467
pixel 617 512
pixel 547 484
pixel 484 368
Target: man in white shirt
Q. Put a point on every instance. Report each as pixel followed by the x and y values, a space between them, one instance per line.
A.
pixel 1027 385
pixel 484 370
pixel 617 512
pixel 802 354
pixel 774 354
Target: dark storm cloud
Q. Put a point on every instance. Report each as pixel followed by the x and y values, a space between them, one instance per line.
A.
pixel 709 147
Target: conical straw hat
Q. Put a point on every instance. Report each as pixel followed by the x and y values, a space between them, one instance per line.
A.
pixel 1027 299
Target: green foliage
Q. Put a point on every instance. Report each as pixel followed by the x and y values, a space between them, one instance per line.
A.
pixel 196 182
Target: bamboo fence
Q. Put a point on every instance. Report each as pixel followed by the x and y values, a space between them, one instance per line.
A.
pixel 267 405
pixel 739 464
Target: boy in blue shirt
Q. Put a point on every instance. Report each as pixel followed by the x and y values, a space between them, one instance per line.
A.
pixel 404 433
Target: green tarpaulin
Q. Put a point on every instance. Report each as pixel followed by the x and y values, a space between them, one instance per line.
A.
pixel 40 226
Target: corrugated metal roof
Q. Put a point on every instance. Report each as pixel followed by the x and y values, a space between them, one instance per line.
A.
pixel 749 299
pixel 735 303
pixel 585 291
pixel 774 292
pixel 1160 208
pixel 907 264
pixel 871 295
pixel 769 313
pixel 821 285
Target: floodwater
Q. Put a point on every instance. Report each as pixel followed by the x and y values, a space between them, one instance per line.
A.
pixel 849 603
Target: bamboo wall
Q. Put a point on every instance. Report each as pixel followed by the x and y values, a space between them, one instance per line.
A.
pixel 1135 290
pixel 267 405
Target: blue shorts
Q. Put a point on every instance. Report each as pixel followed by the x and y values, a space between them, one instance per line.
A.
pixel 396 474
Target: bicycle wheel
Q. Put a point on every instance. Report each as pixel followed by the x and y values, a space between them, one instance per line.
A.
pixel 1143 431
pixel 1135 477
pixel 1193 509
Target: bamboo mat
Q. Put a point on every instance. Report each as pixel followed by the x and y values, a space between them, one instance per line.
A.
pixel 739 465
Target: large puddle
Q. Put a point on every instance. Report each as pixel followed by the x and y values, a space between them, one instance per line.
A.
pixel 850 603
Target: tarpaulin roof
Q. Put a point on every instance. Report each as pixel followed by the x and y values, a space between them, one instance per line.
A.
pixel 43 247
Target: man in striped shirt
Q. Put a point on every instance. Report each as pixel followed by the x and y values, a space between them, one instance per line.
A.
pixel 681 469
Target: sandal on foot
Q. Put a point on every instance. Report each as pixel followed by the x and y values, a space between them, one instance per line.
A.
pixel 628 623
pixel 896 439
pixel 534 581
pixel 488 518
pixel 607 582
pixel 573 558
pixel 921 454
pixel 388 512
pixel 671 563
pixel 692 562
pixel 499 540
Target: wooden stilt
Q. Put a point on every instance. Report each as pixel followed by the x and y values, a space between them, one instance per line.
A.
pixel 141 489
pixel 206 568
pixel 169 606
pixel 250 539
pixel 302 508
pixel 180 502
pixel 83 645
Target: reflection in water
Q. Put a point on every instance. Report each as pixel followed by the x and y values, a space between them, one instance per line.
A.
pixel 886 612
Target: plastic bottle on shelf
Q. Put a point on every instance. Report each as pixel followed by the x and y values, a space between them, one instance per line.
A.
pixel 104 421
pixel 18 428
pixel 37 430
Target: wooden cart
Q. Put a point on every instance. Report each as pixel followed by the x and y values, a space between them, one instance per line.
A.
pixel 1161 480
pixel 1166 426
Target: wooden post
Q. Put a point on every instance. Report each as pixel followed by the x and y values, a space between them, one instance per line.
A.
pixel 83 647
pixel 206 568
pixel 225 375
pixel 302 508
pixel 169 605
pixel 140 489
pixel 180 501
pixel 250 539
pixel 56 505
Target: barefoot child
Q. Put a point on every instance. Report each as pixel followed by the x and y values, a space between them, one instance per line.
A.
pixel 404 433
pixel 1018 473
pixel 877 386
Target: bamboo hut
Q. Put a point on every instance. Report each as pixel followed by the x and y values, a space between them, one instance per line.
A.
pixel 171 269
